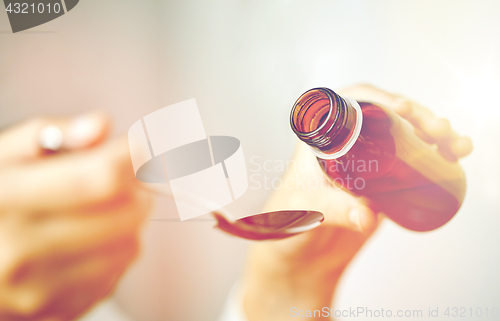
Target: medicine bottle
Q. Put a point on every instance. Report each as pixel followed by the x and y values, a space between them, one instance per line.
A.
pixel 370 151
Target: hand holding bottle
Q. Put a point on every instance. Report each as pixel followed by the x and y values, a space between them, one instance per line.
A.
pixel 304 270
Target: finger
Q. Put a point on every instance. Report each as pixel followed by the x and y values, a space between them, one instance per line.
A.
pixel 439 129
pixel 461 146
pixel 428 126
pixel 369 93
pixel 29 140
pixel 450 144
pixel 68 180
pixel 431 128
pixel 455 148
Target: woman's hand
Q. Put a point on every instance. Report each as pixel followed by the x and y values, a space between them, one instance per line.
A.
pixel 69 222
pixel 303 271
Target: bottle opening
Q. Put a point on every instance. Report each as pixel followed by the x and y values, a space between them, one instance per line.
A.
pixel 312 112
pixel 323 120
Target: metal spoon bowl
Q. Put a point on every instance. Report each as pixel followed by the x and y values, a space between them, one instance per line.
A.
pixel 270 225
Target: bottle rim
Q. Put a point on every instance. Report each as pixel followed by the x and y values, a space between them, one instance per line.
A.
pixel 312 133
pixel 316 134
pixel 352 140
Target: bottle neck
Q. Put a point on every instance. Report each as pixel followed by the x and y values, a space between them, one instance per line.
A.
pixel 326 121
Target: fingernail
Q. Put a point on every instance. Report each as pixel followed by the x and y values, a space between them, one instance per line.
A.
pixel 51 137
pixel 83 130
pixel 355 218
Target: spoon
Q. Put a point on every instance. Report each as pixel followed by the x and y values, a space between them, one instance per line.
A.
pixel 265 226
pixel 270 225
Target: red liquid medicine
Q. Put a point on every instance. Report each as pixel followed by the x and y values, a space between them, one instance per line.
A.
pixel 370 151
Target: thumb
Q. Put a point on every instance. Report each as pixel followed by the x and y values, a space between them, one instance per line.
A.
pixel 362 217
pixel 348 212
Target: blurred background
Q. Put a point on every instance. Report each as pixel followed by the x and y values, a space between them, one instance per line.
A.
pixel 246 62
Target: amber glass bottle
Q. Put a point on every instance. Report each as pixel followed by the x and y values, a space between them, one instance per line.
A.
pixel 372 152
